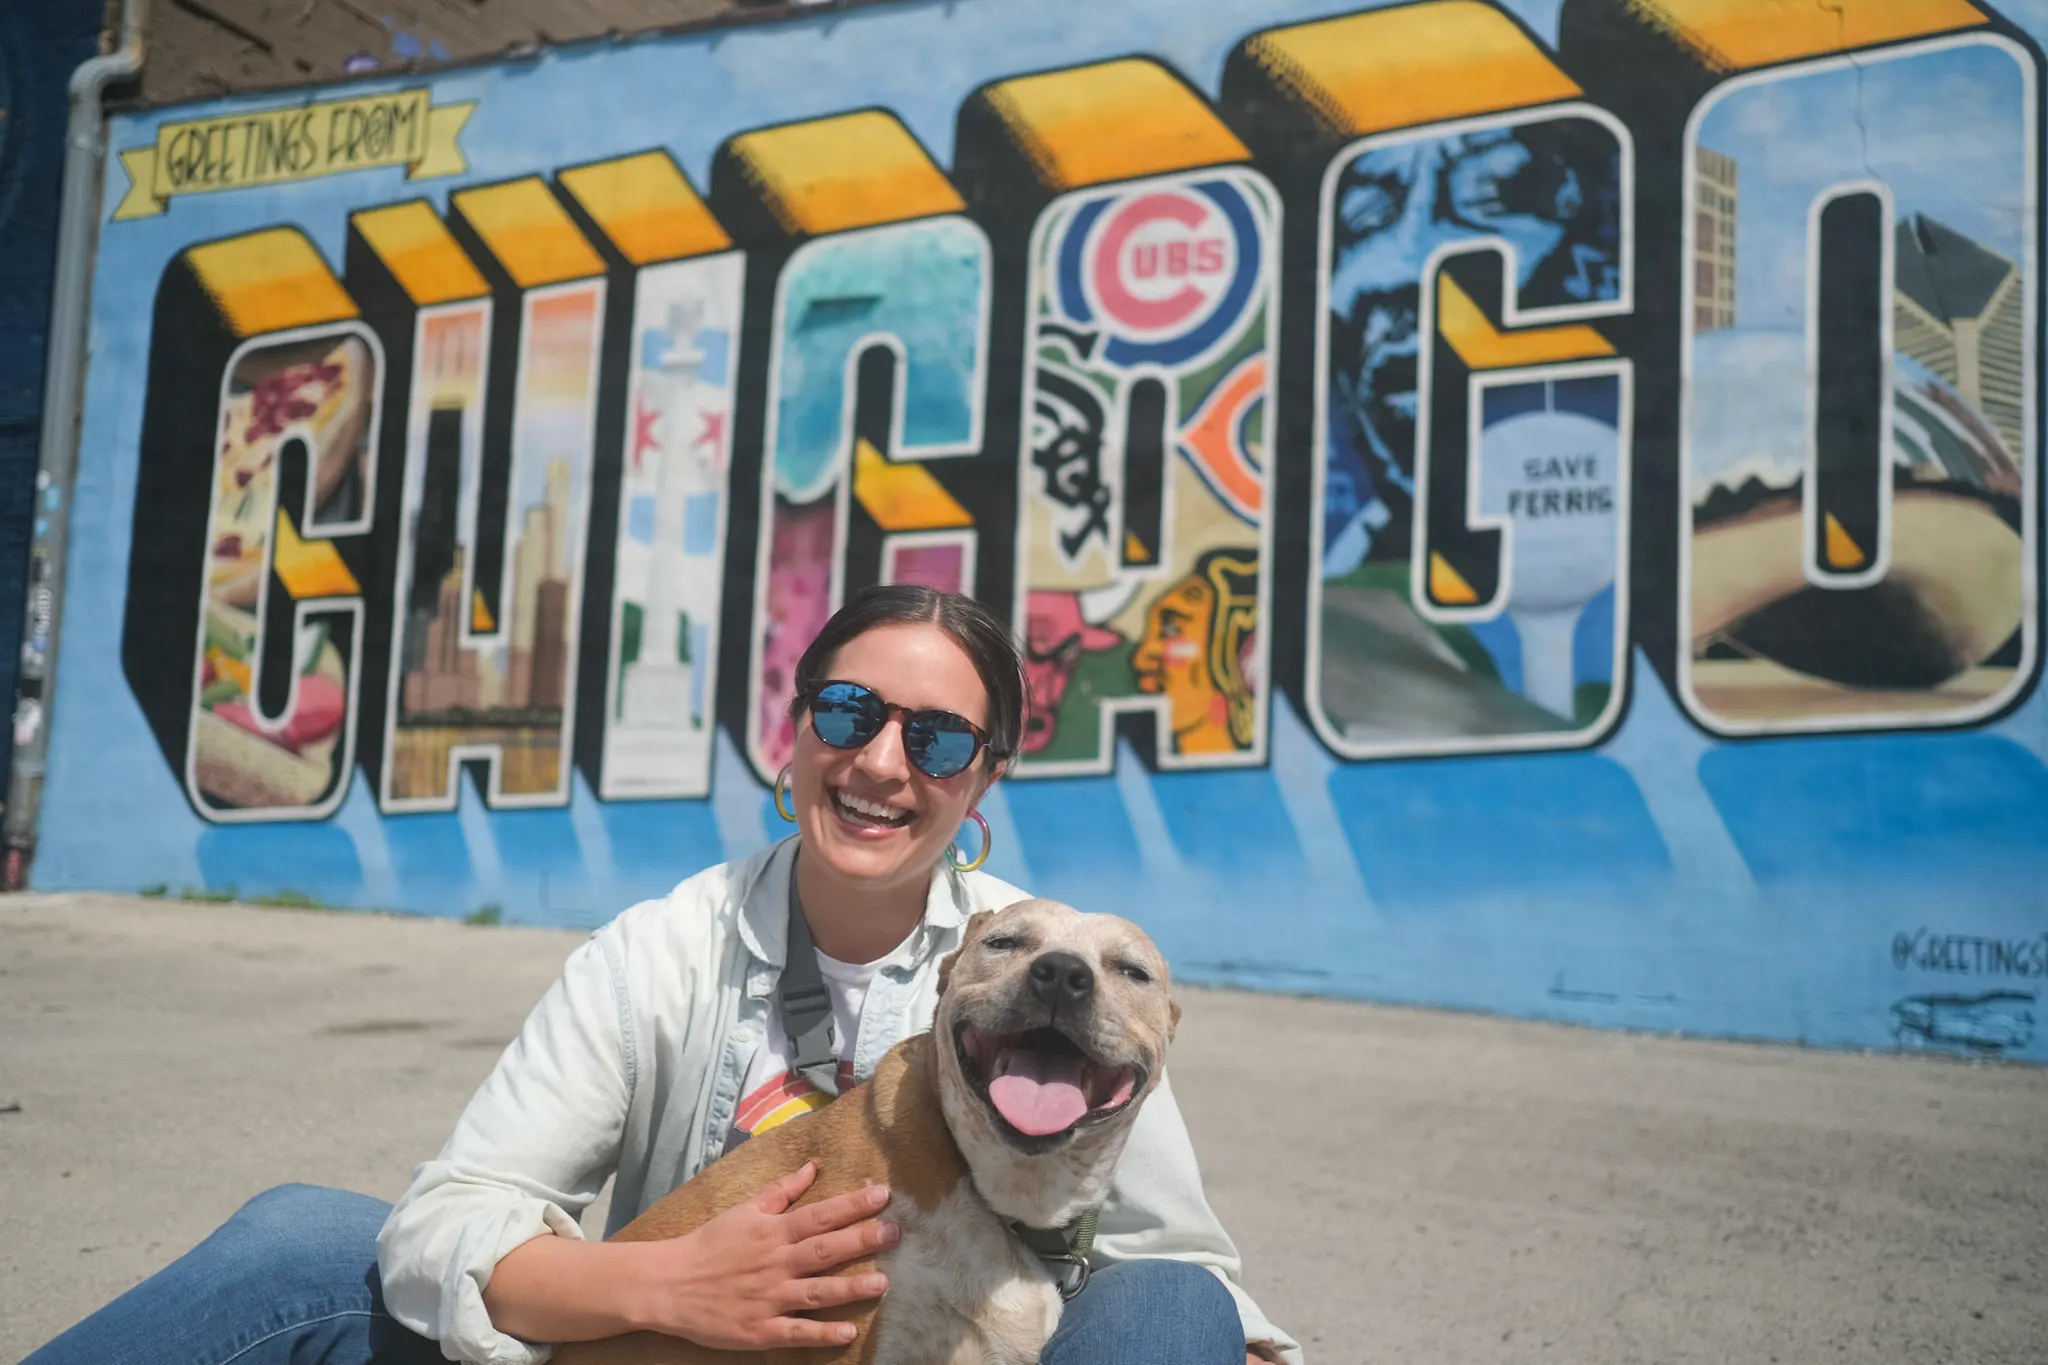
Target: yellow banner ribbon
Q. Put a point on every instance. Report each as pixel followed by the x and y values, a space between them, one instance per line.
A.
pixel 278 146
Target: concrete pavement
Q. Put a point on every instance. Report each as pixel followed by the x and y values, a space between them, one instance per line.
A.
pixel 1406 1186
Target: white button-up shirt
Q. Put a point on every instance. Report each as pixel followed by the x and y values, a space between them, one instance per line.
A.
pixel 632 1064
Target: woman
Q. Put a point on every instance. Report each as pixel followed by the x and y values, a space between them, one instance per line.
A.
pixel 661 1047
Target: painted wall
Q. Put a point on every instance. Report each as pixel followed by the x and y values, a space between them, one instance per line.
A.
pixel 1528 509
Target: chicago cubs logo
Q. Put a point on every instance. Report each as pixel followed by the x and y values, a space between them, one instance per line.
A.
pixel 1166 272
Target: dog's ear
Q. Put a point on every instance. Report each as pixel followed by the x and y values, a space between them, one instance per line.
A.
pixel 968 935
pixel 1172 1018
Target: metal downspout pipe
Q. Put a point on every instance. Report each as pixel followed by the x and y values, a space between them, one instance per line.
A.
pixel 57 450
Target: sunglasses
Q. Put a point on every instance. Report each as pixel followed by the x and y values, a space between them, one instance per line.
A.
pixel 847 715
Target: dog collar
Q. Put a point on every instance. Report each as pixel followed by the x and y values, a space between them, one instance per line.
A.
pixel 1064 1250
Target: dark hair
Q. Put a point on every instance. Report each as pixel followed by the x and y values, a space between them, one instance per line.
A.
pixel 982 638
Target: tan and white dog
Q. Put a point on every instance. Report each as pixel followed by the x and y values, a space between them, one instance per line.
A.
pixel 1051 1029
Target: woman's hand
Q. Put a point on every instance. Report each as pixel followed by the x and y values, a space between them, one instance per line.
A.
pixel 739 1282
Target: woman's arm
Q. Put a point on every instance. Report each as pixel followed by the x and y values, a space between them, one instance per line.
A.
pixel 529 1153
pixel 1157 1208
pixel 484 1254
pixel 736 1283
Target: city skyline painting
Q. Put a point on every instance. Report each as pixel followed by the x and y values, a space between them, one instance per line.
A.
pixel 1795 559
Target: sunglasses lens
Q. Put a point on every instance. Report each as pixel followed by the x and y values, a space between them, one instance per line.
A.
pixel 941 743
pixel 844 716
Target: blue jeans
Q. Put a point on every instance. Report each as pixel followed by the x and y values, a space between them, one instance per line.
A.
pixel 292 1279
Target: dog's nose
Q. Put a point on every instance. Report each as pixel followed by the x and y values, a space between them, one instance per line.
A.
pixel 1062 979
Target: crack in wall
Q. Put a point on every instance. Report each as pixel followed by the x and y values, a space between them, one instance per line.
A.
pixel 1840 11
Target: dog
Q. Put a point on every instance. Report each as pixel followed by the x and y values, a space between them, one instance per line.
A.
pixel 1051 1029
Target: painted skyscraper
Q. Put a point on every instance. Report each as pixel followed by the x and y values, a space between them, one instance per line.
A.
pixel 1713 241
pixel 1958 310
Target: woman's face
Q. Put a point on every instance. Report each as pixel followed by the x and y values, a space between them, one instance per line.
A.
pixel 869 815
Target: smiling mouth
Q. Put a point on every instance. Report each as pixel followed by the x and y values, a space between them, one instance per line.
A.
pixel 867 814
pixel 1041 1086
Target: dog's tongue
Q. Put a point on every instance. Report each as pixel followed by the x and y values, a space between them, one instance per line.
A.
pixel 1040 1094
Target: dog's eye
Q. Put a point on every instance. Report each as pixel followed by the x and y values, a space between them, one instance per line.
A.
pixel 1135 972
pixel 1000 943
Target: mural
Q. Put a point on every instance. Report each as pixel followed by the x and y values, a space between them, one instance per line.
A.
pixel 1144 493
pixel 1903 368
pixel 1528 507
pixel 1449 565
pixel 250 667
pixel 317 393
pixel 1149 274
pixel 669 567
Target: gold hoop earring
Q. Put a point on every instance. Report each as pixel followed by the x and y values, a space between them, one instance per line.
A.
pixel 781 791
pixel 987 842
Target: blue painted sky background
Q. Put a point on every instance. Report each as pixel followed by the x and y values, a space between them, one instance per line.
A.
pixel 1942 129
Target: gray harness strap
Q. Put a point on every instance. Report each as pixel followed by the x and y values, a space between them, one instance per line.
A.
pixel 806 1006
